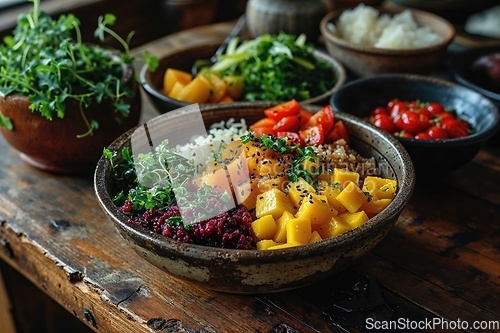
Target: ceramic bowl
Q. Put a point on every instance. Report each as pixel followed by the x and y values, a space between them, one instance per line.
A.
pixel 183 59
pixel 359 97
pixel 251 271
pixel 363 61
pixel 461 67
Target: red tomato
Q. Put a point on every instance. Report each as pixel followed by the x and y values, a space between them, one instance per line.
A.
pixel 454 128
pixel 411 121
pixel 414 105
pixel 289 108
pixel 423 136
pixel 313 135
pixel 259 130
pixel 266 122
pixel 304 117
pixel 435 108
pixel 383 122
pixel 379 110
pixel 398 108
pixel 293 138
pixel 437 133
pixel 425 112
pixel 324 117
pixel 287 124
pixel 338 132
pixel 444 115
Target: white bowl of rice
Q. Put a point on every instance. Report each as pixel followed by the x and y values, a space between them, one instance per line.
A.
pixel 374 40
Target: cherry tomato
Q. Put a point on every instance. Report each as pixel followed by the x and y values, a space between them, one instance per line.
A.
pixel 263 126
pixel 435 108
pixel 437 133
pixel 414 105
pixel 425 112
pixel 383 122
pixel 398 108
pixel 454 128
pixel 304 117
pixel 324 117
pixel 293 138
pixel 313 135
pixel 287 124
pixel 423 136
pixel 379 110
pixel 444 115
pixel 277 112
pixel 338 132
pixel 411 121
pixel 266 122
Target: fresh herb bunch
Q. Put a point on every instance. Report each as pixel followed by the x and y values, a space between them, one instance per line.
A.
pixel 43 61
pixel 276 67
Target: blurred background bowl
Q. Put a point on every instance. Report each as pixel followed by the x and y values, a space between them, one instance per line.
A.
pixel 362 61
pixel 251 271
pixel 461 66
pixel 359 97
pixel 152 82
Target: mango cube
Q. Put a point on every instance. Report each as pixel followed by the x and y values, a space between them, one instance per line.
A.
pixel 344 177
pixel 234 86
pixel 265 244
pixel 354 219
pixel 380 188
pixel 280 234
pixel 298 190
pixel 174 75
pixel 264 227
pixel 373 207
pixel 316 209
pixel 272 202
pixel 336 226
pixel 196 91
pixel 351 197
pixel 298 230
pixel 219 88
pixel 315 237
pixel 176 89
pixel 331 191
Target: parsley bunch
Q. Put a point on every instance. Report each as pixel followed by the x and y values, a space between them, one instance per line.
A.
pixel 45 62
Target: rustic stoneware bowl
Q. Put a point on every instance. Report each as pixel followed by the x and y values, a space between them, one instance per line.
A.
pixel 53 146
pixel 359 97
pixel 251 271
pixel 152 82
pixel 364 61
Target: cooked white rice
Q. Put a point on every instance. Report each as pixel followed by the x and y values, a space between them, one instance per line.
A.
pixel 365 25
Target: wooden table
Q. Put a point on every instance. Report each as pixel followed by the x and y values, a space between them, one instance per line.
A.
pixel 440 262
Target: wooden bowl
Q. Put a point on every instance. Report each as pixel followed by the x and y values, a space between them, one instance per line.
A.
pixel 363 61
pixel 252 271
pixel 429 156
pixel 54 145
pixel 183 59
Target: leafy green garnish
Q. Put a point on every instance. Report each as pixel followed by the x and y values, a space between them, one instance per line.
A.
pixel 44 61
pixel 277 68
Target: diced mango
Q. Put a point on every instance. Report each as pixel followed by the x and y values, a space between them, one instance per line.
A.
pixel 316 209
pixel 351 197
pixel 315 237
pixel 266 183
pixel 174 75
pixel 226 99
pixel 196 91
pixel 219 88
pixel 298 230
pixel 298 190
pixel 234 86
pixel 176 89
pixel 373 207
pixel 344 177
pixel 354 219
pixel 217 178
pixel 280 235
pixel 284 246
pixel 265 244
pixel 380 188
pixel 272 202
pixel 331 191
pixel 264 227
pixel 271 166
pixel 334 227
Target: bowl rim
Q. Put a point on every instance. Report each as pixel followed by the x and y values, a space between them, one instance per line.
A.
pixel 378 222
pixel 467 57
pixel 337 68
pixel 340 42
pixel 475 137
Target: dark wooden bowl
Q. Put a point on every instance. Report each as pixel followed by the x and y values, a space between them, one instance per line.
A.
pixel 251 271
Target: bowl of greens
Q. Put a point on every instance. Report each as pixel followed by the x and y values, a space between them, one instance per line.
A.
pixel 268 68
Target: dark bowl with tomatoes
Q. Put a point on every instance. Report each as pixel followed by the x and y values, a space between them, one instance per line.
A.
pixel 441 124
